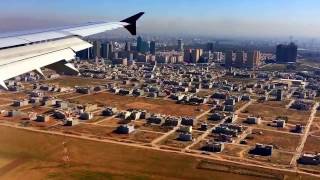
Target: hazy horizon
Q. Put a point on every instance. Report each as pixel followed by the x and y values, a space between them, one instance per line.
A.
pixel 232 18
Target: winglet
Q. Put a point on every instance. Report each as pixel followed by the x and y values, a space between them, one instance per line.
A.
pixel 132 21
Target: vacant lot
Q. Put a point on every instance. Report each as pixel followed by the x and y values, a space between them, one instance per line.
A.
pixel 312 145
pixel 91 160
pixel 271 110
pixel 38 110
pixel 10 95
pixel 152 105
pixel 173 140
pixel 279 140
pixel 277 157
pixel 71 81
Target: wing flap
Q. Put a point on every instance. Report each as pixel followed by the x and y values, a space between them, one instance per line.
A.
pixel 23 66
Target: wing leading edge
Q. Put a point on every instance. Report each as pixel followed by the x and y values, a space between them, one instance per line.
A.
pixel 53 48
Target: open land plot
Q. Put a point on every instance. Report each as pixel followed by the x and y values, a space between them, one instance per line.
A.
pixel 115 122
pixel 5 161
pixel 312 144
pixel 71 81
pixel 156 128
pixel 317 117
pixel 173 141
pixel 315 133
pixel 240 104
pixel 277 157
pixel 204 93
pixel 238 80
pixel 267 125
pixel 315 127
pixel 41 125
pixel 104 132
pixel 16 119
pixel 69 95
pixel 279 140
pixel 4 102
pixel 235 150
pixel 38 110
pixel 92 159
pixel 271 112
pixel 95 119
pixel 13 96
pixel 152 105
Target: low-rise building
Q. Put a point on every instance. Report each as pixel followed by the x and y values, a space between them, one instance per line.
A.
pixel 171 121
pixel 109 111
pixel 185 137
pixel 20 103
pixel 125 129
pixel 280 123
pixel 309 159
pixel 262 149
pixel 188 121
pixel 213 146
pixel 86 115
pixel 298 128
pixel 43 118
pixel 70 122
pixel 253 120
pixel 185 129
pixel 156 120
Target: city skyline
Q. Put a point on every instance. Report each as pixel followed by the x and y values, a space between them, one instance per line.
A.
pixel 248 18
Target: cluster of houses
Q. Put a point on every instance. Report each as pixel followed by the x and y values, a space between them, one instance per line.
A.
pixel 227 132
pixel 301 105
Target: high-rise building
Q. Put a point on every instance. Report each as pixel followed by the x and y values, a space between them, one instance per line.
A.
pixel 180 45
pixel 153 47
pixel 105 47
pixel 253 59
pixel 217 56
pixel 127 46
pixel 142 46
pixel 210 46
pixel 229 58
pixel 111 50
pixel 139 44
pixel 240 59
pixel 287 53
pixel 187 55
pixel 195 55
pixel 96 49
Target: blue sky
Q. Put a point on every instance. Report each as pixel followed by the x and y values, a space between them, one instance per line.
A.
pixel 207 17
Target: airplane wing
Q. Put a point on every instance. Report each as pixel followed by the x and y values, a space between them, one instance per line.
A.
pixel 25 52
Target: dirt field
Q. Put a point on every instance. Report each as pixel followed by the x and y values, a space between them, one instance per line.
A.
pixel 156 128
pixel 173 141
pixel 91 160
pixel 277 157
pixel 70 81
pixel 269 111
pixel 18 95
pixel 312 145
pixel 281 141
pixel 151 105
pixel 38 110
